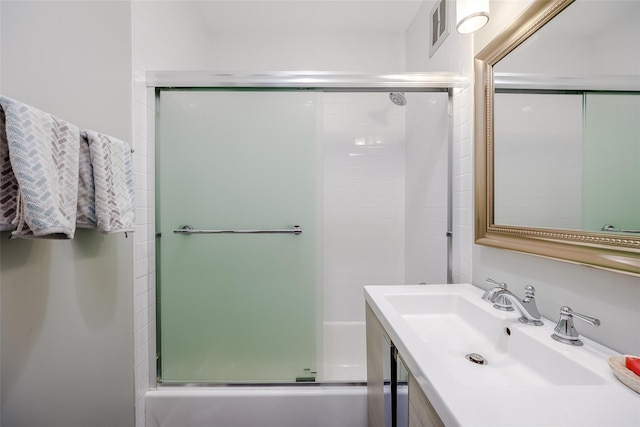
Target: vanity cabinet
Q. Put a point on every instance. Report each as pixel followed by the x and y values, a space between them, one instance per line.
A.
pixel 421 413
pixel 376 341
pixel 380 365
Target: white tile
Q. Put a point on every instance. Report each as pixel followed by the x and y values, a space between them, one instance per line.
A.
pixel 141 267
pixel 140 285
pixel 141 197
pixel 140 319
pixel 151 248
pixel 141 251
pixel 140 303
pixel 141 337
pixel 140 234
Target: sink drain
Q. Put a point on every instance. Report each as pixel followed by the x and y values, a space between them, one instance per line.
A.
pixel 476 358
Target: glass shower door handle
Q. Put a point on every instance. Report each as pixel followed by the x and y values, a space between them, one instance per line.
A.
pixel 188 230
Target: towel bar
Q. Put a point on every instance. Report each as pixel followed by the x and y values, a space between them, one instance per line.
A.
pixel 618 230
pixel 188 230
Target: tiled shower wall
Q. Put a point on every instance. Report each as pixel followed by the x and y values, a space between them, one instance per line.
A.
pixel 363 164
pixel 363 199
pixel 462 186
pixel 426 181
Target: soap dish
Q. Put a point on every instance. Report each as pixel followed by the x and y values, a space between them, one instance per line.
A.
pixel 627 377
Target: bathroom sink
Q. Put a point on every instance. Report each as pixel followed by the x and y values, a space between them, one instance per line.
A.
pixel 515 374
pixel 501 355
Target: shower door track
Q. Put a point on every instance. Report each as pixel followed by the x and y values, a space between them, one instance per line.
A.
pixel 308 80
pixel 304 384
pixel 330 81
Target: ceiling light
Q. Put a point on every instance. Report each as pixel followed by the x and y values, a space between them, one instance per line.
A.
pixel 471 15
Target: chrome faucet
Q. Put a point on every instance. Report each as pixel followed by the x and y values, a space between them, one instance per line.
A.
pixel 565 332
pixel 501 303
pixel 488 295
pixel 503 299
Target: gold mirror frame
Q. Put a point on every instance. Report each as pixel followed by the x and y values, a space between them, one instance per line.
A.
pixel 616 252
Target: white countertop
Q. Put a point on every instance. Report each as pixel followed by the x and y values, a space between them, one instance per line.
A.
pixel 607 403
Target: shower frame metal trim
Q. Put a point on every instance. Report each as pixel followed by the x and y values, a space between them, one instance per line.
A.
pixel 306 80
pixel 156 81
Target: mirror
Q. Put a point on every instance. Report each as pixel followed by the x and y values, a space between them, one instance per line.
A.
pixel 558 136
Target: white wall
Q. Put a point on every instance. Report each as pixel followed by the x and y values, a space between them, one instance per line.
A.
pixel 609 296
pixel 451 56
pixel 369 53
pixel 454 55
pixel 168 35
pixel 66 314
pixel 624 36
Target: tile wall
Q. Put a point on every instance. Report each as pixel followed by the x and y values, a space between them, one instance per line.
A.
pixel 462 184
pixel 154 48
pixel 363 164
pixel 427 158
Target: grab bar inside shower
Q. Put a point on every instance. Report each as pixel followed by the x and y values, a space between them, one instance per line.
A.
pixel 618 230
pixel 188 230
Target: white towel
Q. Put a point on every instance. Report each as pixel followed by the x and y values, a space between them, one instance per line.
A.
pixel 43 151
pixel 8 182
pixel 113 181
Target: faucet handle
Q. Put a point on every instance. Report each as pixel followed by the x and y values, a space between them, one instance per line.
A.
pixel 565 332
pixel 529 292
pixel 529 301
pixel 489 293
pixel 495 282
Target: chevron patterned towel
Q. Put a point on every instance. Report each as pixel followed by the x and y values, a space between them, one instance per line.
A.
pixel 43 151
pixel 8 182
pixel 86 215
pixel 113 181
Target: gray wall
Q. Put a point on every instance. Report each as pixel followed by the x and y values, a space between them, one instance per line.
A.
pixel 66 306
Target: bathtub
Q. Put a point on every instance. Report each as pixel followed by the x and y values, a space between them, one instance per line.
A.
pixel 304 405
pixel 293 406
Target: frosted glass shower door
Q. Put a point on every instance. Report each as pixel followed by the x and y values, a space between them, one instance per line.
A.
pixel 236 308
pixel 611 161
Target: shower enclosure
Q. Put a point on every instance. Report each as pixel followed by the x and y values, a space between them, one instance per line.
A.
pixel 275 206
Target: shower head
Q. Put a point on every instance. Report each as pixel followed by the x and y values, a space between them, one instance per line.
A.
pixel 398 98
